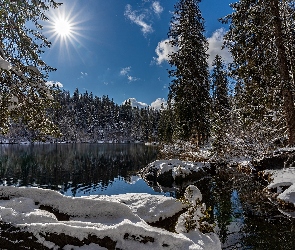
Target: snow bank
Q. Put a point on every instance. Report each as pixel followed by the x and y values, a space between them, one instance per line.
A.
pixel 179 168
pixel 150 208
pixel 120 218
pixel 281 179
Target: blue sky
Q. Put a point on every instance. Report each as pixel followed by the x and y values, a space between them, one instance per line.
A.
pixel 116 47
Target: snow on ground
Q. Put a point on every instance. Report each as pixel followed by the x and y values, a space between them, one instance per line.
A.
pixel 148 207
pixel 283 178
pixel 178 167
pixel 187 150
pixel 121 217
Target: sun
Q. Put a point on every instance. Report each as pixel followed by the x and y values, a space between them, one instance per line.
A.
pixel 63 27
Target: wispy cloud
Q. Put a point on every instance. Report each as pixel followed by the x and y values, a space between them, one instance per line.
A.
pixel 82 75
pixel 138 19
pixel 163 50
pixel 157 8
pixel 215 47
pixel 125 72
pixel 132 78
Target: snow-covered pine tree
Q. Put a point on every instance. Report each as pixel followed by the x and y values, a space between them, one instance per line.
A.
pixel 284 67
pixel 220 104
pixel 258 42
pixel 219 85
pixel 189 95
pixel 24 94
pixel 166 125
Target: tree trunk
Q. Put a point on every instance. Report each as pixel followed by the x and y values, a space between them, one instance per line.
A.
pixel 286 86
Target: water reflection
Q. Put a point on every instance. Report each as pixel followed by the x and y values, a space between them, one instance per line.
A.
pixel 76 169
pixel 244 217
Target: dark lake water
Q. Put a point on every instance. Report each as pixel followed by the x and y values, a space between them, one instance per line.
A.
pixel 244 217
pixel 77 169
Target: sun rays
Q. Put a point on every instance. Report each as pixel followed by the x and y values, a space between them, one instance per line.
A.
pixel 65 28
pixel 62 27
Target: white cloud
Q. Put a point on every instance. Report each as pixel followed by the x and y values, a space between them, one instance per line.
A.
pixel 158 103
pixel 54 84
pixel 157 8
pixel 82 75
pixel 215 45
pixel 138 19
pixel 135 103
pixel 125 71
pixel 163 50
pixel 132 78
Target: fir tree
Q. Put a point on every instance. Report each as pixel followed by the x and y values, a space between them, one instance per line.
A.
pixel 166 125
pixel 262 48
pixel 220 104
pixel 219 81
pixel 189 91
pixel 24 94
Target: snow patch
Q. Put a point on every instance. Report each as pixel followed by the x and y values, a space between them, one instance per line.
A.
pixel 99 216
pixel 179 168
pixel 148 207
pixel 283 178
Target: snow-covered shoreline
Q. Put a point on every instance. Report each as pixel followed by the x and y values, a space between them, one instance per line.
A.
pixel 122 218
pixel 165 173
pixel 7 142
pixel 282 181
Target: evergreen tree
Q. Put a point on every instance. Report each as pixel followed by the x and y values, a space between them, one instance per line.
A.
pixel 165 126
pixel 220 104
pixel 284 69
pixel 189 91
pixel 24 94
pixel 262 47
pixel 219 81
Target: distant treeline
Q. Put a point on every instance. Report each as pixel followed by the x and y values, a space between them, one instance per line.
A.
pixel 83 117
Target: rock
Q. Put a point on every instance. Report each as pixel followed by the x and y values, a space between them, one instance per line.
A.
pixel 278 160
pixel 168 172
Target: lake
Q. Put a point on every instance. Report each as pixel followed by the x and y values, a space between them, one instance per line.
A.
pixel 244 217
pixel 77 169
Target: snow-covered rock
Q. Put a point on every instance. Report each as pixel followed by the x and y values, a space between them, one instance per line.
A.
pixel 115 219
pixel 283 181
pixel 282 157
pixel 165 172
pixel 194 219
pixel 150 208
